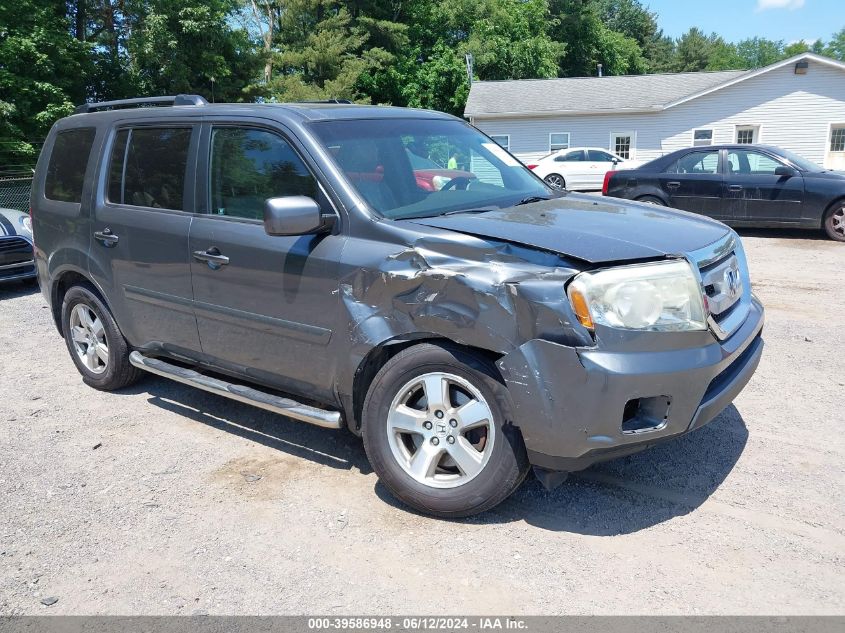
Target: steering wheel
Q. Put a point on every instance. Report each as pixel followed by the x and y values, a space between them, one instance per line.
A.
pixel 459 182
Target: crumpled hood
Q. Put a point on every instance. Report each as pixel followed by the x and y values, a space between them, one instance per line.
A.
pixel 590 228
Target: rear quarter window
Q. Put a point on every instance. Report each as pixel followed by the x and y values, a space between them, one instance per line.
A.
pixel 68 160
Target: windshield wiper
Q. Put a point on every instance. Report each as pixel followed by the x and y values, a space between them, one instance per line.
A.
pixel 531 199
pixel 481 210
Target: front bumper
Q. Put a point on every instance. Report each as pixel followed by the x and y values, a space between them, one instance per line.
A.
pixel 16 259
pixel 576 407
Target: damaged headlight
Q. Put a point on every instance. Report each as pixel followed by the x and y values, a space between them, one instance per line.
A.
pixel 661 296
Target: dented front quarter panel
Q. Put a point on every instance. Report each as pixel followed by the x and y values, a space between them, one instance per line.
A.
pixel 403 283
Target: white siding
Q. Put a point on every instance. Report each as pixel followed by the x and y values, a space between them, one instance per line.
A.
pixel 793 111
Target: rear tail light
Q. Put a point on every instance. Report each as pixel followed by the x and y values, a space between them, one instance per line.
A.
pixel 606 183
pixel 532 166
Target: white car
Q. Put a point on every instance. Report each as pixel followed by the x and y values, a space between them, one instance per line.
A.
pixel 579 167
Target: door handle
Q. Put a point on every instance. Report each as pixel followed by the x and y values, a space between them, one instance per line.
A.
pixel 106 237
pixel 212 257
pixel 734 187
pixel 673 185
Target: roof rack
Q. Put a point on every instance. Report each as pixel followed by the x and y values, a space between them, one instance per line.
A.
pixel 175 100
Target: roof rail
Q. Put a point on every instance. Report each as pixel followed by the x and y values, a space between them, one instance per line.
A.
pixel 175 100
pixel 345 101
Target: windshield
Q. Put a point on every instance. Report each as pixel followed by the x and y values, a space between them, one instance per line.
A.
pixel 408 168
pixel 799 161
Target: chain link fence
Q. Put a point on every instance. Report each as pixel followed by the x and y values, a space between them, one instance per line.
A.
pixel 14 193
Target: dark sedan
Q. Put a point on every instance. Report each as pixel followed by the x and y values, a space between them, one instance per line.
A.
pixel 741 185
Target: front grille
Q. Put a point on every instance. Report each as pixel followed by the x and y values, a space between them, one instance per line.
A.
pixel 722 284
pixel 723 276
pixel 14 243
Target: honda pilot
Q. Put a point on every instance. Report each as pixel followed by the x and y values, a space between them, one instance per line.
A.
pixel 290 256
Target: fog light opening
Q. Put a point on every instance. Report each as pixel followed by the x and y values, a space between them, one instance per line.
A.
pixel 643 415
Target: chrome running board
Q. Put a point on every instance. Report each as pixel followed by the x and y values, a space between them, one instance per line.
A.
pixel 248 395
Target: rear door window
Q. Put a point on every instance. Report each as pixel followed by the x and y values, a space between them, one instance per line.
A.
pixel 696 163
pixel 148 166
pixel 576 156
pixel 66 169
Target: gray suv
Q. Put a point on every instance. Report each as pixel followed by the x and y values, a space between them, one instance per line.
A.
pixel 466 326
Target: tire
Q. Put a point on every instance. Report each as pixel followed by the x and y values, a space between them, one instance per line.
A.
pixel 834 222
pixel 555 180
pixel 652 200
pixel 107 367
pixel 417 465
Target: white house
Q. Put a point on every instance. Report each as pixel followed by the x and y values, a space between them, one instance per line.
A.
pixel 797 104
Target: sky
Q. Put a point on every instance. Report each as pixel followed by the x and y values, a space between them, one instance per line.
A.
pixel 788 20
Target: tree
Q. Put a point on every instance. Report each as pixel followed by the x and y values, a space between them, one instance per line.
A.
pixel 759 51
pixel 796 48
pixel 43 71
pixel 836 47
pixel 189 46
pixel 696 51
pixel 590 42
pixel 508 39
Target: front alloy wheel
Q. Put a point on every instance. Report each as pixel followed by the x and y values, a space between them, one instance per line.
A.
pixel 439 433
pixel 441 430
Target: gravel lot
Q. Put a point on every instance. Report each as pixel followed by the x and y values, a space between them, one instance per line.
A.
pixel 166 500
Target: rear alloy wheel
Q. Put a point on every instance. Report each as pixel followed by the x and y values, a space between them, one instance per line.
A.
pixel 94 341
pixel 437 431
pixel 556 181
pixel 89 338
pixel 834 223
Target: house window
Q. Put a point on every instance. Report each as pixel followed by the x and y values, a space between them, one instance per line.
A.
pixel 702 137
pixel 622 144
pixel 502 139
pixel 558 141
pixel 747 134
pixel 837 139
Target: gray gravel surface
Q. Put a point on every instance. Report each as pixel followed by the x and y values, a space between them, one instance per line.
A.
pixel 165 500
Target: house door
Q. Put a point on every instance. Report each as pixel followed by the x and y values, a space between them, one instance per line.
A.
pixel 835 158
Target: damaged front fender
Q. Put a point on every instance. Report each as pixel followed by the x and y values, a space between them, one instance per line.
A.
pixel 489 295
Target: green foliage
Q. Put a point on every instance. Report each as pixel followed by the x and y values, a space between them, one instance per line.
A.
pixel 590 41
pixel 836 47
pixel 40 66
pixel 55 54
pixel 188 46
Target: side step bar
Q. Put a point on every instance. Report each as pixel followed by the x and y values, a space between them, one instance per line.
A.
pixel 248 395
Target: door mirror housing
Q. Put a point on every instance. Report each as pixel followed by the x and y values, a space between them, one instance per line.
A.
pixel 783 170
pixel 294 215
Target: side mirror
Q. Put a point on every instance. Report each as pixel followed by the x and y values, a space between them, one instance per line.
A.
pixel 615 161
pixel 783 170
pixel 293 215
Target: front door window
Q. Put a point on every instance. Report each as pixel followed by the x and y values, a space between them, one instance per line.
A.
pixel 248 166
